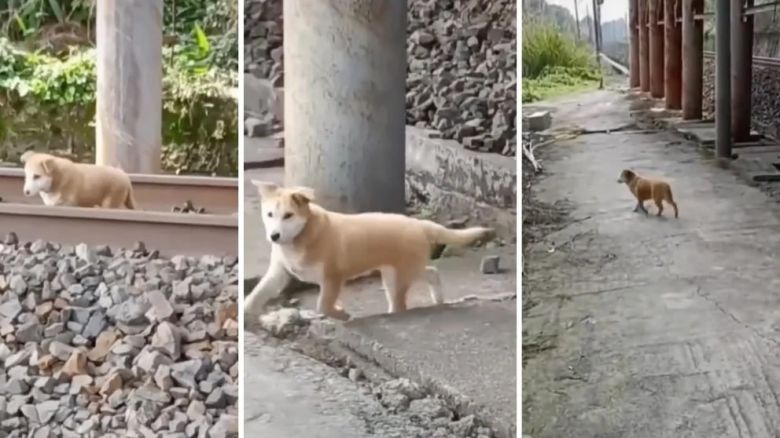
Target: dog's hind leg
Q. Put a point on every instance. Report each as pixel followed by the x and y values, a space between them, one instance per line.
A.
pixel 329 297
pixel 660 204
pixel 396 286
pixel 113 200
pixel 670 200
pixel 434 284
pixel 270 286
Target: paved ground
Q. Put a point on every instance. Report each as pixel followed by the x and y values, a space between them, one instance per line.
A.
pixel 648 327
pixel 446 348
pixel 291 395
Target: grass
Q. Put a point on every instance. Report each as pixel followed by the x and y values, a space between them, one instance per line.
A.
pixel 557 81
pixel 554 64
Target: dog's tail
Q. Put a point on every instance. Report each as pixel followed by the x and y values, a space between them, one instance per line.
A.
pixel 438 234
pixel 130 200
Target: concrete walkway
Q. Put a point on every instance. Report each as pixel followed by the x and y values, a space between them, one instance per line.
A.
pixel 648 327
pixel 291 395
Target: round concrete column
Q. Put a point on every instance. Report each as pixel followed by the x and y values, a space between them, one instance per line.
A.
pixel 129 84
pixel 344 101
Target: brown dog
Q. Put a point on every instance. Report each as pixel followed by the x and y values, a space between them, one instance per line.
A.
pixel 328 248
pixel 644 189
pixel 60 181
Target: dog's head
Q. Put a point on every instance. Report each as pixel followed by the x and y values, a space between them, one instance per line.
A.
pixel 285 210
pixel 38 172
pixel 626 176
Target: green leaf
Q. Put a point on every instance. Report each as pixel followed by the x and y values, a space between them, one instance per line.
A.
pixel 20 23
pixel 202 40
pixel 55 7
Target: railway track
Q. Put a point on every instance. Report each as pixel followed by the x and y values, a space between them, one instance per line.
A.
pixel 153 192
pixel 763 61
pixel 215 232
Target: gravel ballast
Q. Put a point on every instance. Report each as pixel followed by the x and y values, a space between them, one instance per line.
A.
pixel 461 66
pixel 113 344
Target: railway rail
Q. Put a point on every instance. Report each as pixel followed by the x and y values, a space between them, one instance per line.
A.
pixel 152 192
pixel 171 233
pixel 763 61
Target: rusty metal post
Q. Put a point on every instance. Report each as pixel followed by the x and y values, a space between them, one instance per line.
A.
pixel 673 60
pixel 644 45
pixel 633 13
pixel 723 78
pixel 656 50
pixel 741 69
pixel 693 52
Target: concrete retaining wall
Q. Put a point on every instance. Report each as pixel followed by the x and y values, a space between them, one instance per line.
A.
pixel 451 181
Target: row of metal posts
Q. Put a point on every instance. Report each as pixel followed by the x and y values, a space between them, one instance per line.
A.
pixel 666 51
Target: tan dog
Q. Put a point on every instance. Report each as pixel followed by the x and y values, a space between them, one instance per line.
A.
pixel 328 248
pixel 60 181
pixel 644 189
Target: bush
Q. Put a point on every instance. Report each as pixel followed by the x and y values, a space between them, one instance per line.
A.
pixel 545 47
pixel 49 104
pixel 557 80
pixel 553 63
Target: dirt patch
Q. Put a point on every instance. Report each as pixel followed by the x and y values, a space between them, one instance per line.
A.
pixel 539 220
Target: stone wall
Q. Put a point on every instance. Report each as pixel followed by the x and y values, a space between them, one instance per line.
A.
pixel 765 117
pixel 462 66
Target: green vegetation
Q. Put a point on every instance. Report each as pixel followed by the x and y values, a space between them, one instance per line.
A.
pixel 553 63
pixel 47 89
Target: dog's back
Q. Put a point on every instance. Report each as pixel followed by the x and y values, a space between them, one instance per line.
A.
pixel 103 186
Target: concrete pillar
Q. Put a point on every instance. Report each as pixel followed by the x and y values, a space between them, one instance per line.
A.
pixel 673 58
pixel 741 70
pixel 129 84
pixel 644 45
pixel 656 49
pixel 633 14
pixel 693 50
pixel 344 109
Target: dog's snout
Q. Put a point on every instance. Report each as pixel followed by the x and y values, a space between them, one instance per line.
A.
pixel 275 237
pixel 26 193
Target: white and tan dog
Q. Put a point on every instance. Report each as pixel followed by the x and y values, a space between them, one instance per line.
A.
pixel 328 248
pixel 60 181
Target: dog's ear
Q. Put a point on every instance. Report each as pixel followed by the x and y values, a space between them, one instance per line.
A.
pixel 302 195
pixel 265 188
pixel 26 156
pixel 48 165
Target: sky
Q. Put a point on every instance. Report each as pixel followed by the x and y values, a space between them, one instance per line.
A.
pixel 610 10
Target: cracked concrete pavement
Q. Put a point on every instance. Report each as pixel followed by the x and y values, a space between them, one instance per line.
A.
pixel 289 395
pixel 650 327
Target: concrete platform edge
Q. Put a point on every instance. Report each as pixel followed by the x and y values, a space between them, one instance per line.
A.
pixel 367 349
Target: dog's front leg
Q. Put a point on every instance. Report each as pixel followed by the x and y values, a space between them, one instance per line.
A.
pixel 270 286
pixel 330 288
pixel 640 207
